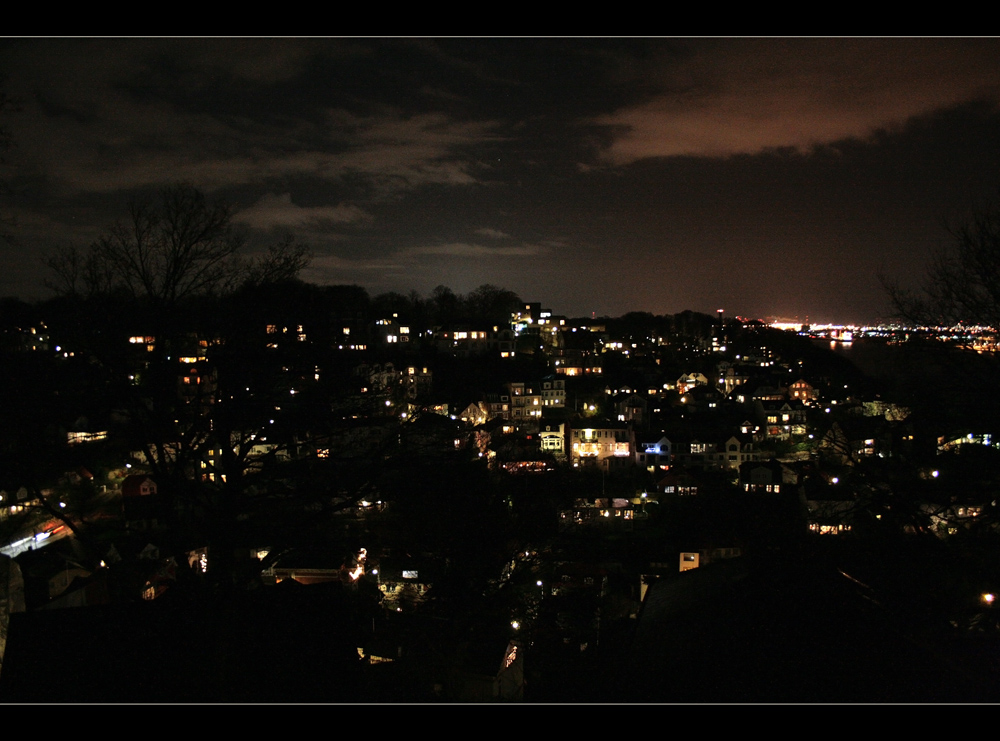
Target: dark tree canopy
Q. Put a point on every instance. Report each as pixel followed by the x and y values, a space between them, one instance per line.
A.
pixel 491 304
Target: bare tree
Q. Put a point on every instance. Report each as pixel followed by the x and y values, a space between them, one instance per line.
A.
pixel 206 449
pixel 963 280
pixel 178 246
pixel 282 262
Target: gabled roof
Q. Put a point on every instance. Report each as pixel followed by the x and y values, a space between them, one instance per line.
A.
pixel 132 484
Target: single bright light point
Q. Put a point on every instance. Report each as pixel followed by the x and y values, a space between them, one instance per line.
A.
pixel 538 583
pixel 514 624
pixel 935 474
pixel 835 480
pixel 988 597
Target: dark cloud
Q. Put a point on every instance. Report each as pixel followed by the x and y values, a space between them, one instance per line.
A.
pixel 774 176
pixel 749 96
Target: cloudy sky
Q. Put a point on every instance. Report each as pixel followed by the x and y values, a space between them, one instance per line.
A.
pixel 769 177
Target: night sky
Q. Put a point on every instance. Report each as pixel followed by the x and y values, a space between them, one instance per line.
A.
pixel 767 177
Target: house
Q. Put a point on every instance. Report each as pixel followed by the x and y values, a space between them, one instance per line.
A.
pixel 525 404
pixel 553 392
pixel 497 405
pixel 630 407
pixel 702 399
pixel 614 513
pixel 552 438
pixel 698 452
pixel 852 439
pixel 781 420
pixel 767 477
pixel 802 391
pixel 766 393
pixel 654 455
pixel 677 483
pixel 48 574
pixel 475 414
pixel 141 507
pixel 138 485
pixel 955 517
pixel 605 445
pixel 735 451
pixel 730 377
pixel 689 380
pixel 14 501
pixel 197 385
pixel 464 340
pixel 418 380
pixel 577 362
